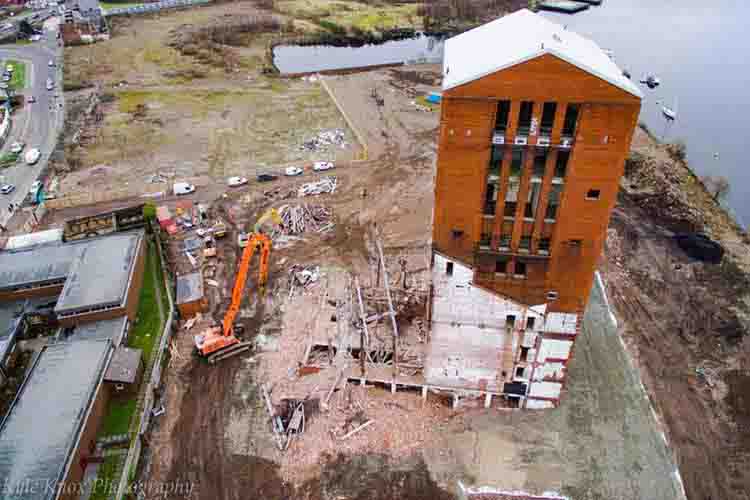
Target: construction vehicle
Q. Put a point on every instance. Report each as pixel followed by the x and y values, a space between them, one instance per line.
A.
pixel 219 229
pixel 219 342
pixel 271 215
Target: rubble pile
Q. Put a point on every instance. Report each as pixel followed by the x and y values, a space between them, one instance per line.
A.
pixel 325 185
pixel 658 185
pixel 297 219
pixel 325 140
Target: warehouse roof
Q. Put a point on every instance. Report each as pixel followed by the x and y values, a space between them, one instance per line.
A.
pixel 106 262
pixel 517 38
pixel 10 313
pixel 37 265
pixel 112 329
pixel 42 426
pixel 189 288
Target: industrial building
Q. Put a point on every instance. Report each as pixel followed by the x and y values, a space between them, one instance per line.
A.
pixel 87 291
pixel 536 122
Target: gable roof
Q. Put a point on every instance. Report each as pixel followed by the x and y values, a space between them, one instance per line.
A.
pixel 517 38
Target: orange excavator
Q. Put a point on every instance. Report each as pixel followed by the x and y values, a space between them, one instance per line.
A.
pixel 219 342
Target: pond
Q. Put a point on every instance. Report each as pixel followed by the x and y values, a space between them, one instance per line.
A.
pixel 290 59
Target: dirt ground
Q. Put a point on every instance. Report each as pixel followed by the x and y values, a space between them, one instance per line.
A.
pixel 167 113
pixel 685 321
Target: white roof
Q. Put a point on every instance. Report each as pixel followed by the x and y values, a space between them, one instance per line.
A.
pixel 32 239
pixel 517 38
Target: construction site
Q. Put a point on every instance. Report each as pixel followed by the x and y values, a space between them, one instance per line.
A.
pixel 316 342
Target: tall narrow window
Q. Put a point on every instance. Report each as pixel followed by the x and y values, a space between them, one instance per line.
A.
pixel 496 160
pixel 485 238
pixel 520 269
pixel 501 266
pixel 501 118
pixel 561 163
pixel 511 197
pixel 449 268
pixel 516 162
pixel 571 118
pixel 532 202
pixel 525 243
pixel 554 202
pixel 540 160
pixel 544 244
pixel 490 195
pixel 506 235
pixel 548 118
pixel 524 117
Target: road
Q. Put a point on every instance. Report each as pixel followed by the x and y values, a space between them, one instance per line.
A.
pixel 35 124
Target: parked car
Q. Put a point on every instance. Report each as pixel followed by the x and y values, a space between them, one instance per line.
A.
pixel 32 156
pixel 7 188
pixel 35 38
pixel 51 63
pixel 50 84
pixel 183 188
pixel 31 99
pixel 236 181
pixel 35 187
pixel 292 171
pixel 267 177
pixel 9 68
pixel 17 147
pixel 6 78
pixel 319 166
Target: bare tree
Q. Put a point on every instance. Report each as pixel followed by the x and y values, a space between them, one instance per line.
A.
pixel 717 186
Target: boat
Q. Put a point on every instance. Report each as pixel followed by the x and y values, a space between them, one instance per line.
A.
pixel 669 113
pixel 651 81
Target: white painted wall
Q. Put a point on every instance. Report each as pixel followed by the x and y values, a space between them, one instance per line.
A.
pixel 561 323
pixel 468 331
pixel 545 389
pixel 538 404
pixel 550 370
pixel 557 349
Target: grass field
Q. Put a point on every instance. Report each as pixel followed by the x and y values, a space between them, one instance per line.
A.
pixel 18 80
pixel 119 414
pixel 347 15
pixel 105 479
pixel 148 325
pixel 118 5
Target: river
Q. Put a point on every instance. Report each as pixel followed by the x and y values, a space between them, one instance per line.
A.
pixel 698 49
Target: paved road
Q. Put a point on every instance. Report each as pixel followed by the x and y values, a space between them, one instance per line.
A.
pixel 35 124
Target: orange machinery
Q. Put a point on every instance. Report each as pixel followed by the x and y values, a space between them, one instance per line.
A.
pixel 219 342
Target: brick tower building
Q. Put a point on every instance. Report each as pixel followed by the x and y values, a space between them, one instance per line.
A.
pixel 535 127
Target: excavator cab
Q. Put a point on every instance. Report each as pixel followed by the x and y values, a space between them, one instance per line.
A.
pixel 220 342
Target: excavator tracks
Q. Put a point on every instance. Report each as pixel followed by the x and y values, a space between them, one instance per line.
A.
pixel 229 352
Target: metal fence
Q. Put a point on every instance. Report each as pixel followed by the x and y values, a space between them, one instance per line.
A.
pixel 154 7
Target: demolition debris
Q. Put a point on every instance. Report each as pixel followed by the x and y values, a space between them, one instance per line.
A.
pixel 325 140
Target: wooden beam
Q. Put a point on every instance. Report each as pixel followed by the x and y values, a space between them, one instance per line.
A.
pixel 364 334
pixel 390 307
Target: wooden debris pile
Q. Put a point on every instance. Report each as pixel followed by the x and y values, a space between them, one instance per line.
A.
pixel 297 219
pixel 325 185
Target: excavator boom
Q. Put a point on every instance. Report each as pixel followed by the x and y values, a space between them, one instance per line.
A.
pixel 256 241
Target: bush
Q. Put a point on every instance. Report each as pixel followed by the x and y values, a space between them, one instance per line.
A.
pixel 332 27
pixel 677 151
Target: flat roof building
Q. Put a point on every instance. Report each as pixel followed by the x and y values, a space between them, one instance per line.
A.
pixel 190 297
pixel 536 123
pixel 53 421
pixel 97 278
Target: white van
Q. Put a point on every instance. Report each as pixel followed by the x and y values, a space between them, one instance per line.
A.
pixel 183 188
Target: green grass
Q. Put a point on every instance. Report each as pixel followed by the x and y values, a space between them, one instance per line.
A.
pixel 117 420
pixel 8 159
pixel 118 5
pixel 18 80
pixel 148 325
pixel 105 484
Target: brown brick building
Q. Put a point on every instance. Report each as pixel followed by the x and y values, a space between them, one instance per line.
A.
pixel 536 123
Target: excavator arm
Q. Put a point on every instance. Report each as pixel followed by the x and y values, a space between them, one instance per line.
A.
pixel 257 240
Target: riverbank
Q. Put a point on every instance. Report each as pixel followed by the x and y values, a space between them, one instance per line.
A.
pixel 684 321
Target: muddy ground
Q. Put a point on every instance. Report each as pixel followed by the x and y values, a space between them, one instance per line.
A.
pixel 683 321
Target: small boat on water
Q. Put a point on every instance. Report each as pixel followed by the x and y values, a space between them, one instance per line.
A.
pixel 651 81
pixel 669 113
